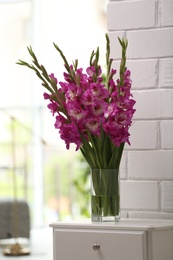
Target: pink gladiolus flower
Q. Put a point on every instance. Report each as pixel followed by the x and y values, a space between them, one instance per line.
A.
pixel 52 77
pixel 98 108
pixel 53 107
pixel 46 96
pixel 111 110
pixel 73 92
pixel 75 110
pixel 92 70
pixel 93 125
pixel 68 132
pixel 87 98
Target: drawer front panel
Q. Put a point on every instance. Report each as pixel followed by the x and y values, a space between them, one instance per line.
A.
pixel 99 245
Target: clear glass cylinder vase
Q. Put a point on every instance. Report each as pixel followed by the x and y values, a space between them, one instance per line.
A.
pixel 105 195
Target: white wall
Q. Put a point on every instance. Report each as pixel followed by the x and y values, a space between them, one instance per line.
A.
pixel 147 166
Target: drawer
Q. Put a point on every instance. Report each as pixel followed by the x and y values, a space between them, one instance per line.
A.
pixel 71 244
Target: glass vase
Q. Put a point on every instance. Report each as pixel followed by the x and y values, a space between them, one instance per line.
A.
pixel 105 195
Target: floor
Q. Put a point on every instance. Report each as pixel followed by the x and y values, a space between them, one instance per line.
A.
pixel 40 246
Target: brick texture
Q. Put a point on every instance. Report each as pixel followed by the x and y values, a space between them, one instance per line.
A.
pixel 166 73
pixel 167 196
pixel 154 104
pixel 142 164
pixel 140 139
pixel 153 43
pixel 144 73
pixel 135 15
pixel 166 12
pixel 137 195
pixel 167 134
pixel 151 215
pixel 147 164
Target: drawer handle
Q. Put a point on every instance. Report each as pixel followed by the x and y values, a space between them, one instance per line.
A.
pixel 96 246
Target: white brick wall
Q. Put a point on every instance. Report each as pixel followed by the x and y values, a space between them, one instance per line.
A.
pixel 137 194
pixel 167 196
pixel 166 11
pixel 134 14
pixel 147 165
pixel 155 164
pixel 140 139
pixel 167 134
pixel 166 75
pixel 144 73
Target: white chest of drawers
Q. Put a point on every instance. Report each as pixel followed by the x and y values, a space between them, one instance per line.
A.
pixel 125 240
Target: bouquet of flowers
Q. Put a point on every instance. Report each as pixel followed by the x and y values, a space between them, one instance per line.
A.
pixel 94 111
pixel 91 110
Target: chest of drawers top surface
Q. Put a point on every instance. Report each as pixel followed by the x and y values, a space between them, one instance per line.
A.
pixel 127 224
